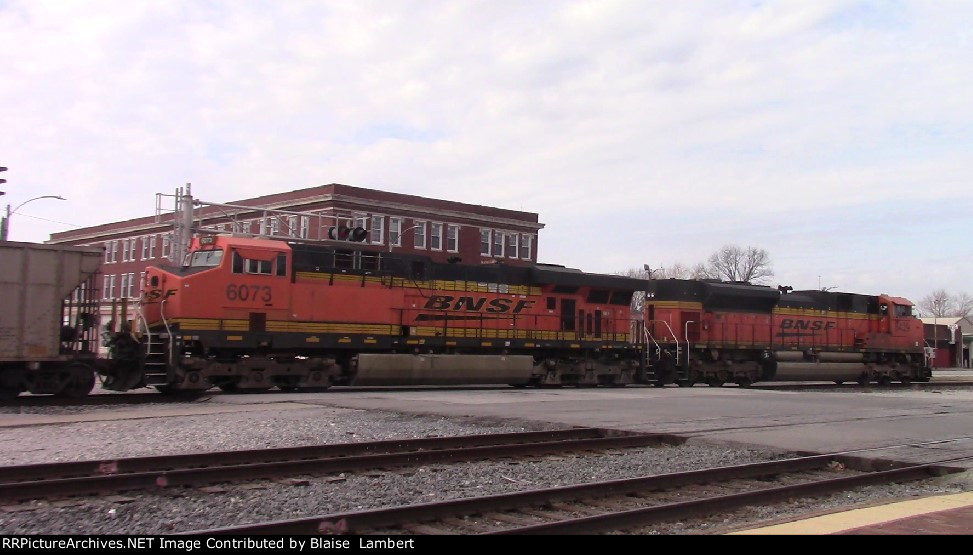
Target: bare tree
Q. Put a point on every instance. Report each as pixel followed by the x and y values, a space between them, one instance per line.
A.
pixel 733 263
pixel 941 304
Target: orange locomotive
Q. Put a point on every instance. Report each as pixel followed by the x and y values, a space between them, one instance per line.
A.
pixel 251 314
pixel 714 332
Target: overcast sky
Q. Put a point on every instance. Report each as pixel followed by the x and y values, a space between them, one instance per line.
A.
pixel 837 135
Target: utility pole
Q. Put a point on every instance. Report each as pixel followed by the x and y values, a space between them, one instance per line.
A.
pixel 3 221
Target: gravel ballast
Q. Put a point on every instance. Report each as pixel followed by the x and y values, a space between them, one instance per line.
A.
pixel 233 504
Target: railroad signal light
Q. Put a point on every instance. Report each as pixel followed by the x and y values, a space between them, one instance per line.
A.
pixel 344 233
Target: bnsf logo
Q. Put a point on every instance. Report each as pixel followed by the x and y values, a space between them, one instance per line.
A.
pixel 447 302
pixel 156 294
pixel 813 325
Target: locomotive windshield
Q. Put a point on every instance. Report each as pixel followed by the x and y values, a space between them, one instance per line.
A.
pixel 207 258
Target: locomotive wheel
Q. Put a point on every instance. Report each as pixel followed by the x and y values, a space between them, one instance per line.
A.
pixel 185 393
pixel 715 382
pixel 884 381
pixel 685 383
pixel 744 382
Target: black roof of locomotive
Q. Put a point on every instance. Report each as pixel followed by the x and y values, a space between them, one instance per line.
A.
pixel 321 258
pixel 747 297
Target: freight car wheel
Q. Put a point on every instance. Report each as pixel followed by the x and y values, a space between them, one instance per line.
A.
pixel 685 383
pixel 81 382
pixel 9 393
pixel 715 382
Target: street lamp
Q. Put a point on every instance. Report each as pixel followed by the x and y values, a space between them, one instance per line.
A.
pixel 401 233
pixel 5 224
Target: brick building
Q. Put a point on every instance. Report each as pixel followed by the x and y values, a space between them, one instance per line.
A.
pixel 441 229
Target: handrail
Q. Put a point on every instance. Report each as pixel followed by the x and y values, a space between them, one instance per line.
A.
pixel 658 348
pixel 162 314
pixel 686 335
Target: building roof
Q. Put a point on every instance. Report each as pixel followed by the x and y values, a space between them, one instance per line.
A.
pixel 354 198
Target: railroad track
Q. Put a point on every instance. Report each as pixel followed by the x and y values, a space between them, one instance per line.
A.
pixel 616 505
pixel 55 480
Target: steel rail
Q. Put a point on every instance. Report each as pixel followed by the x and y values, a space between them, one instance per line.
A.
pixel 205 468
pixel 390 517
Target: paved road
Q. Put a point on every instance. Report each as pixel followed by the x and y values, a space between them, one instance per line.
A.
pixel 819 421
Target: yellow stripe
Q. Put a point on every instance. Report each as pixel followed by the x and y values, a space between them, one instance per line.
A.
pixel 438 285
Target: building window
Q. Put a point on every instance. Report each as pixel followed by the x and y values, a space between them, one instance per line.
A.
pixel 125 250
pixel 274 225
pixel 131 248
pixel 419 234
pixel 104 288
pixel 292 226
pixel 452 238
pixel 305 225
pixel 123 289
pixel 436 236
pixel 484 242
pixel 111 287
pixel 131 285
pixel 525 244
pixel 497 243
pixel 108 251
pixel 152 246
pixel 166 245
pixel 378 230
pixel 361 221
pixel 145 248
pixel 512 245
pixel 395 232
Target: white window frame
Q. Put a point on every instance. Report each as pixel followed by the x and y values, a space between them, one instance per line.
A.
pixel 512 244
pixel 123 286
pixel 377 235
pixel 452 229
pixel 274 225
pixel 104 288
pixel 145 248
pixel 526 242
pixel 436 236
pixel 419 234
pixel 124 250
pixel 166 245
pixel 131 285
pixel 305 226
pixel 152 241
pixel 486 238
pixel 292 226
pixel 111 287
pixel 132 246
pixel 108 251
pixel 499 240
pixel 395 227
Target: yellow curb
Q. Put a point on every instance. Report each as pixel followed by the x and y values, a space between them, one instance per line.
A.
pixel 856 518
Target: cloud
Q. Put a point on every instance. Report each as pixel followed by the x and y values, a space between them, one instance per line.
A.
pixel 640 132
